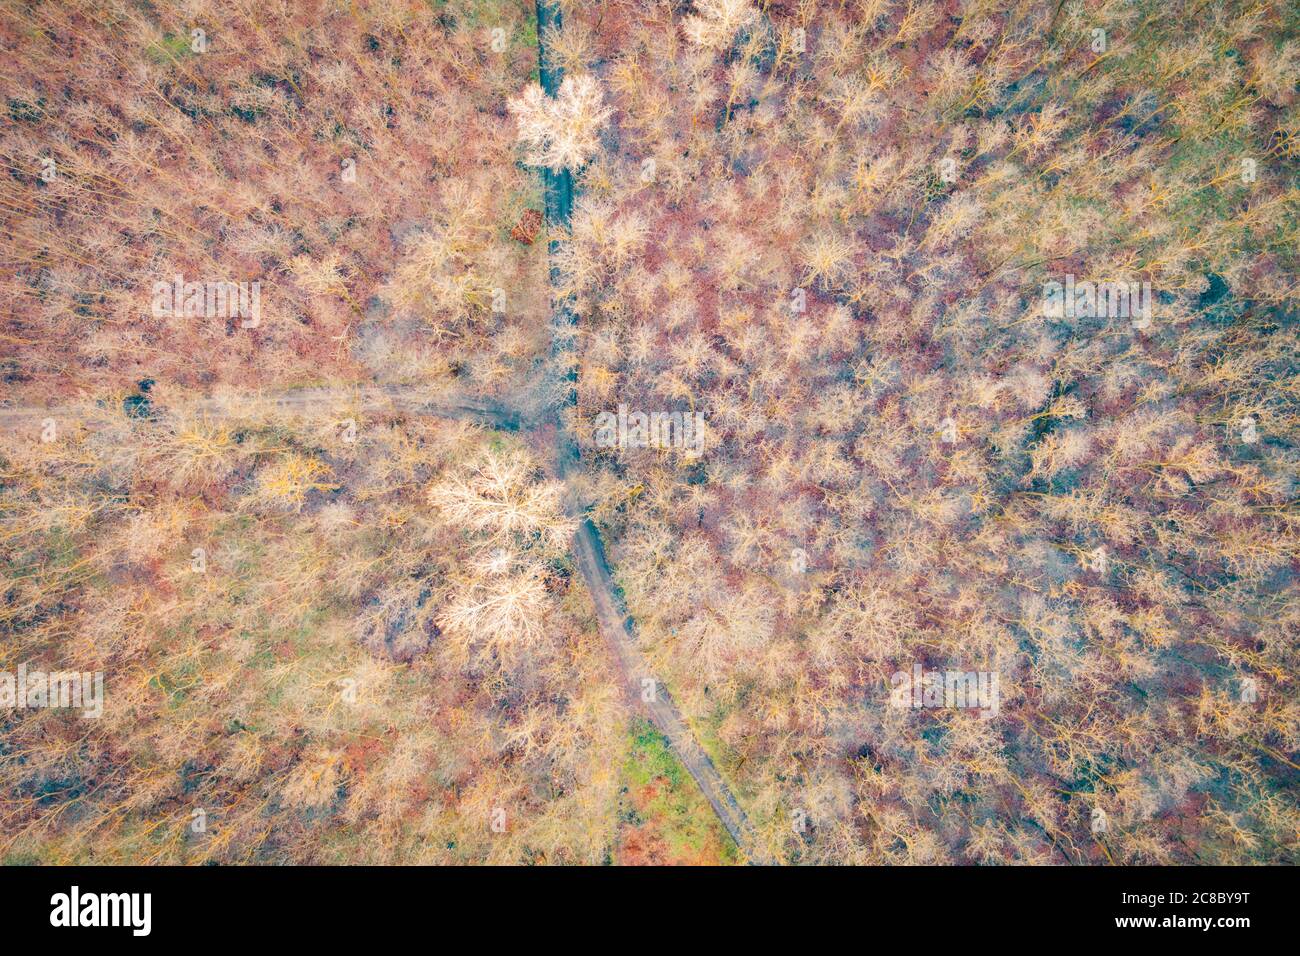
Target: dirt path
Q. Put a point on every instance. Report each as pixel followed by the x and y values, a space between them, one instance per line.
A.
pixel 653 698
pixel 327 399
pixel 614 623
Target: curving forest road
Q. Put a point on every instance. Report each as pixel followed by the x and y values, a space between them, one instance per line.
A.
pixel 612 618
pixel 656 704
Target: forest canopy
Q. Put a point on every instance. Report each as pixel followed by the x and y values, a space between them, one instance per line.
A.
pixel 927 369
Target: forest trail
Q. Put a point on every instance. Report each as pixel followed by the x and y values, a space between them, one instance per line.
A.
pixel 394 398
pixel 654 700
pixel 611 615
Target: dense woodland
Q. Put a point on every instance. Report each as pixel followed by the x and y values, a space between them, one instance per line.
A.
pixel 827 227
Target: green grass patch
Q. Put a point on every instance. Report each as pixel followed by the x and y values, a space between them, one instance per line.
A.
pixel 171 48
pixel 663 803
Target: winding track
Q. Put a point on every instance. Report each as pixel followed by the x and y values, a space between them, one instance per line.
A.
pixel 611 615
pixel 407 398
pixel 615 627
